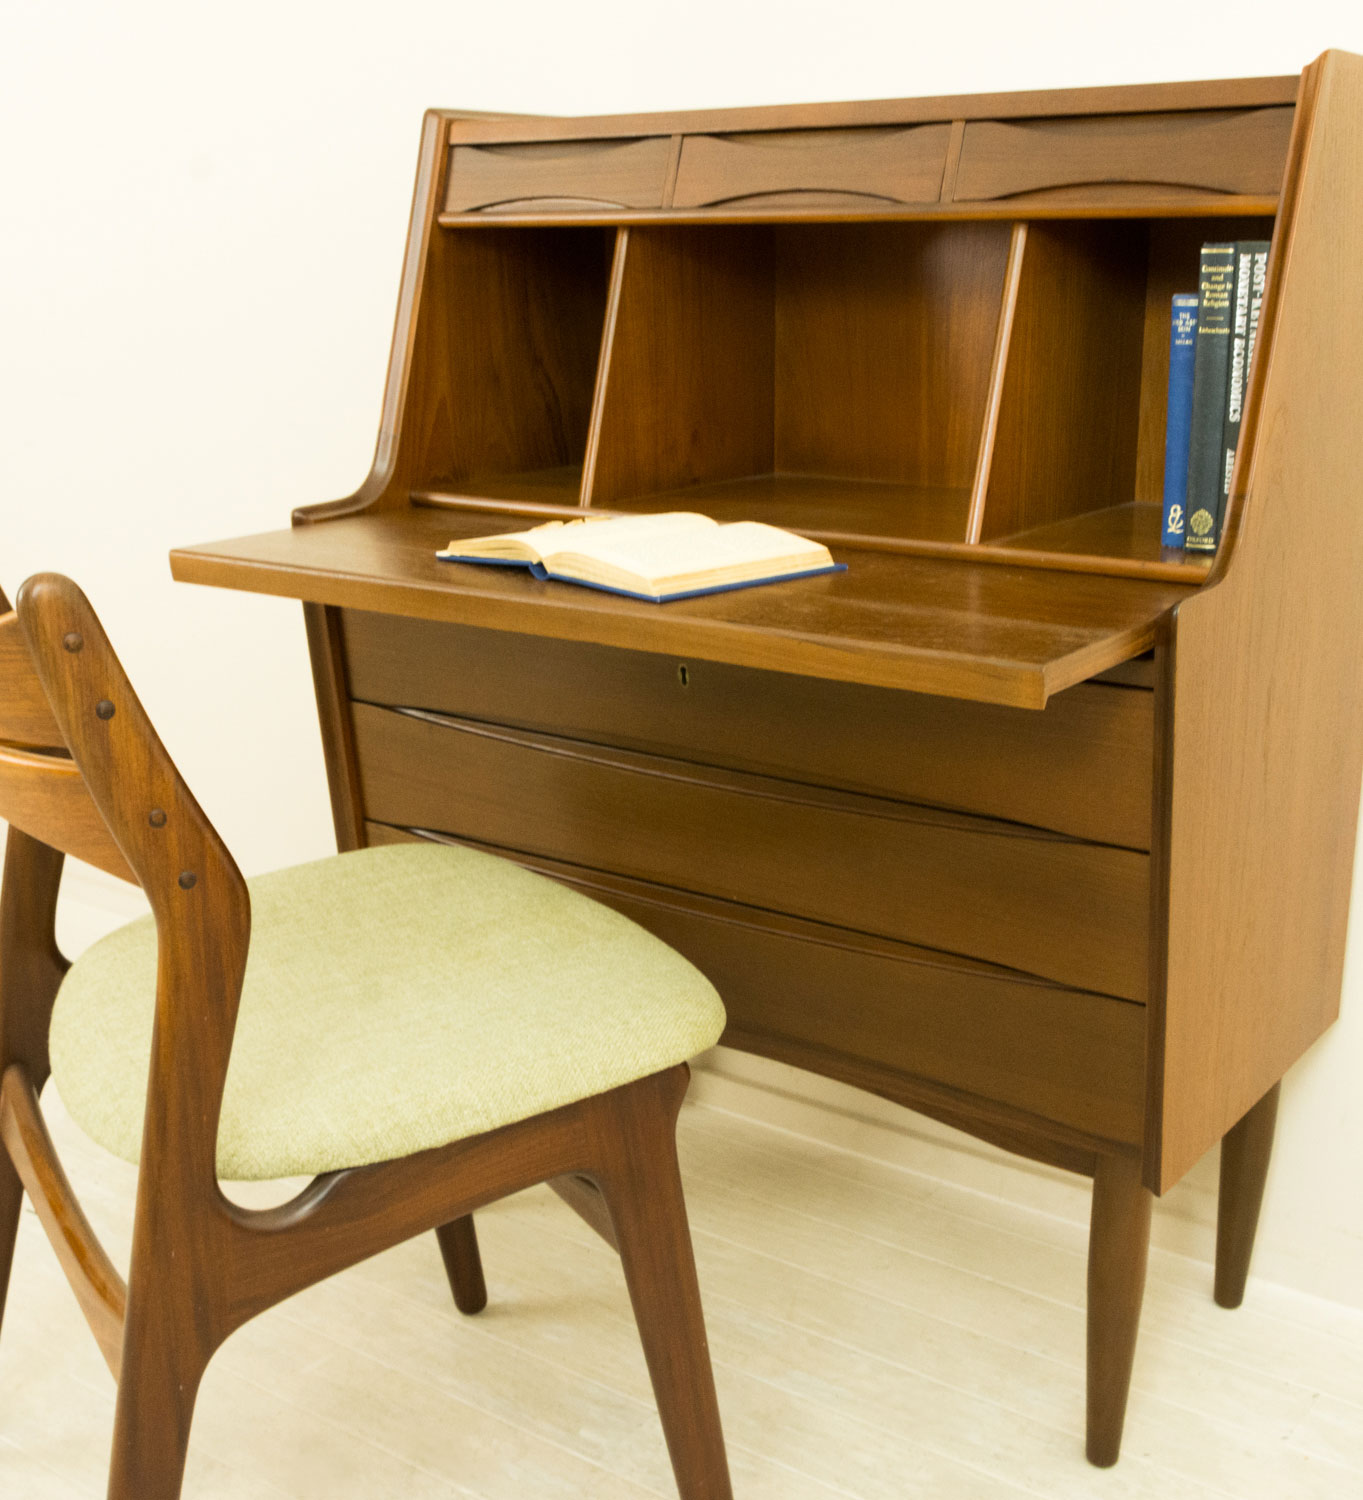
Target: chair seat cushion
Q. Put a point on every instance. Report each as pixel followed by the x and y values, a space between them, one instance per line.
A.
pixel 395 999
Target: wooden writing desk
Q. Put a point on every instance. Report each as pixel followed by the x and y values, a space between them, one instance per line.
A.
pixel 1019 821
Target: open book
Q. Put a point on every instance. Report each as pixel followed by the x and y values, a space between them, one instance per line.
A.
pixel 675 555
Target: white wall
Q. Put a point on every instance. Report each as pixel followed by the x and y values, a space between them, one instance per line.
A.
pixel 204 212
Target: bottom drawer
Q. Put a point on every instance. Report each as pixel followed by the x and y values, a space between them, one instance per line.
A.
pixel 862 1008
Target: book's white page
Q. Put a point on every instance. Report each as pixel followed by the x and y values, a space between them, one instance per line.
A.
pixel 539 543
pixel 665 562
pixel 510 546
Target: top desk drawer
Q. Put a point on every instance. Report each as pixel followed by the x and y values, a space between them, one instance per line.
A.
pixel 790 168
pixel 1220 151
pixel 1081 766
pixel 568 175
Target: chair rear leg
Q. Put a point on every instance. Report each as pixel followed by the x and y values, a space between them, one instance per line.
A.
pixel 643 1192
pixel 463 1265
pixel 11 1201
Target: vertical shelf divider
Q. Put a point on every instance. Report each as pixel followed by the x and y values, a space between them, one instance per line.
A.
pixel 613 296
pixel 1012 279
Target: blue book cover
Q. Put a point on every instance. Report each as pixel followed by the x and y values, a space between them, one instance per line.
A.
pixel 1179 422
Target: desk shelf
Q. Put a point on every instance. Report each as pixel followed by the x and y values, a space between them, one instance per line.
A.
pixel 892 385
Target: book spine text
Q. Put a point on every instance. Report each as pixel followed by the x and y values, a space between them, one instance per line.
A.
pixel 1216 279
pixel 1237 372
pixel 1179 418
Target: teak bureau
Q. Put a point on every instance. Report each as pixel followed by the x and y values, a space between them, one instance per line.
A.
pixel 1020 821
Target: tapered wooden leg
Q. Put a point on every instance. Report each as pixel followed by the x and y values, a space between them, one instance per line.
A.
pixel 644 1197
pixel 463 1265
pixel 1245 1153
pixel 164 1357
pixel 11 1201
pixel 1119 1242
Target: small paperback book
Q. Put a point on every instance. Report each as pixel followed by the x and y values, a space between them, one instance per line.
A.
pixel 674 555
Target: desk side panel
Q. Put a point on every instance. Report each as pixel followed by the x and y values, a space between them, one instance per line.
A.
pixel 1265 734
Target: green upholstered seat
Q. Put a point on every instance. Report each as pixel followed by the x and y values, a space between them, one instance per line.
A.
pixel 395 998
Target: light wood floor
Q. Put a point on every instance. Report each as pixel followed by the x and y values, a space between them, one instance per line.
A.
pixel 876 1334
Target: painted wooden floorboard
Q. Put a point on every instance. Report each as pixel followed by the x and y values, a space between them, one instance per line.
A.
pixel 877 1334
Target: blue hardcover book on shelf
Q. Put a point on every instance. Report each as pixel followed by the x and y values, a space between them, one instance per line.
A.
pixel 1178 429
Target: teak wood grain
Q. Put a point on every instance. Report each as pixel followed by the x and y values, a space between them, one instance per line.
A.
pixel 1082 767
pixel 1070 911
pixel 949 627
pixel 1225 151
pixel 1066 437
pixel 820 789
pixel 1264 712
pixel 897 165
pixel 954 1037
pixel 202 1265
pixel 611 174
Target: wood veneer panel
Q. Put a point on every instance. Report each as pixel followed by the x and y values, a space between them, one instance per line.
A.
pixel 1066 910
pixel 687 393
pixel 927 624
pixel 1132 531
pixel 1265 747
pixel 822 506
pixel 1239 152
pixel 1219 93
pixel 1082 767
pixel 872 1009
pixel 520 316
pixel 604 173
pixel 885 337
pixel 1067 426
pixel 898 165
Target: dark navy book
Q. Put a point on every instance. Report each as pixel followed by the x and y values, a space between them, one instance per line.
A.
pixel 1216 286
pixel 1178 425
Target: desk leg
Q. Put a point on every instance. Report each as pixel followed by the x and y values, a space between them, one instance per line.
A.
pixel 1119 1241
pixel 1245 1152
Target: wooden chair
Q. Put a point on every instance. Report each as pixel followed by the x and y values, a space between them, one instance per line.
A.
pixel 82 772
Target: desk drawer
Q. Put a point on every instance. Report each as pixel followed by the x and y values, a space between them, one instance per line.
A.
pixel 1069 911
pixel 1083 766
pixel 890 1017
pixel 544 175
pixel 1223 151
pixel 812 167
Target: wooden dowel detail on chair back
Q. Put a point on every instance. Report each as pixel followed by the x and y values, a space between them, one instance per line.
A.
pixel 195 889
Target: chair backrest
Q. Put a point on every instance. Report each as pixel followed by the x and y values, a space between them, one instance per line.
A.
pixel 83 771
pixel 41 789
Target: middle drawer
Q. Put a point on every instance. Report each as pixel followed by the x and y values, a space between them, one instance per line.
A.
pixel 1053 906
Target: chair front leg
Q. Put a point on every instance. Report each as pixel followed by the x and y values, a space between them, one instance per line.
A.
pixel 11 1201
pixel 165 1353
pixel 641 1184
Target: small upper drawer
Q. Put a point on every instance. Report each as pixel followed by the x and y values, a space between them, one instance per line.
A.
pixel 566 175
pixel 1219 151
pixel 815 167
